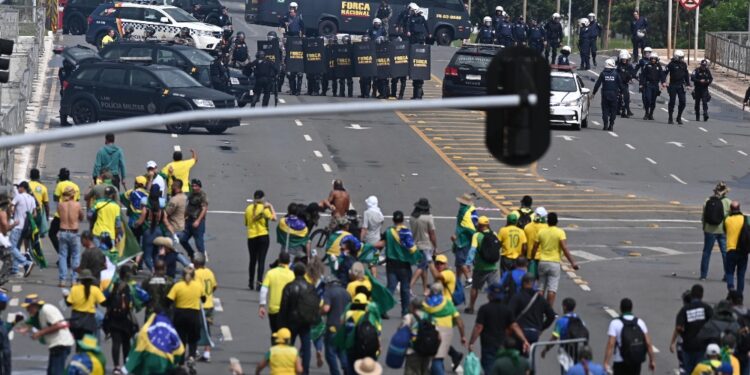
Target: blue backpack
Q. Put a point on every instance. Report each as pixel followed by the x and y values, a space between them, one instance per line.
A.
pixel 397 348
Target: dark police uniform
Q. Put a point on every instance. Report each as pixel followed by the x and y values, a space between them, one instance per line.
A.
pixel 651 76
pixel 611 85
pixel 496 20
pixel 504 33
pixel 330 74
pixel 265 76
pixel 346 61
pixel 219 75
pixel 678 78
pixel 639 43
pixel 402 23
pixel 563 59
pixel 553 33
pixel 240 53
pixel 418 29
pixel 595 31
pixel 536 38
pixel 486 35
pixel 584 45
pixel 702 78
pixel 627 74
pixel 519 33
pixel 293 26
pixel 384 12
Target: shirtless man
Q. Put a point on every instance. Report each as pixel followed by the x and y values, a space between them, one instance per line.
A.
pixel 338 200
pixel 71 215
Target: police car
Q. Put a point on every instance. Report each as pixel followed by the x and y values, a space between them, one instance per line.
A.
pixel 466 73
pixel 569 101
pixel 110 90
pixel 166 20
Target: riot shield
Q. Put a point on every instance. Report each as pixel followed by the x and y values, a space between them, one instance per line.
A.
pixel 383 59
pixel 315 50
pixel 399 58
pixel 295 55
pixel 272 51
pixel 364 63
pixel 419 62
pixel 344 67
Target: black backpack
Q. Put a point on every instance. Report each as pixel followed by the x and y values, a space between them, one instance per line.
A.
pixel 509 287
pixel 632 342
pixel 427 342
pixel 366 340
pixel 524 217
pixel 307 311
pixel 489 249
pixel 743 243
pixel 713 212
pixel 576 329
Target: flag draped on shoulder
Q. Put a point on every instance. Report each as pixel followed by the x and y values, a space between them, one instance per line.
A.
pixel 157 349
pixel 35 241
pixel 128 247
pixel 292 232
pixel 333 245
pixel 380 294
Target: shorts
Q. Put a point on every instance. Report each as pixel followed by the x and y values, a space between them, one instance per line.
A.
pixel 461 255
pixel 426 257
pixel 507 264
pixel 549 276
pixel 479 278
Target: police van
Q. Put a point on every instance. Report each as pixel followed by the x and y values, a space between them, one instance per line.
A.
pixel 166 20
pixel 448 20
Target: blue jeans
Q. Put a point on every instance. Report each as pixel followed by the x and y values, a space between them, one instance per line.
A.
pixel 708 245
pixel 691 359
pixel 437 368
pixel 304 336
pixel 488 359
pixel 399 273
pixel 196 233
pixel 334 354
pixel 19 260
pixel 736 262
pixel 58 355
pixel 70 248
pixel 147 241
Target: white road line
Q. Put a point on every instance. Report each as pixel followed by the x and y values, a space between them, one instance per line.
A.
pixel 174 135
pixel 684 119
pixel 593 72
pixel 664 109
pixel 572 275
pixel 613 134
pixel 654 349
pixel 13 302
pixel 16 289
pixel 652 161
pixel 611 312
pixel 217 305
pixel 722 140
pixel 657 249
pixel 225 332
pixel 308 138
pixel 631 93
pixel 326 167
pixel 586 255
pixel 628 145
pixel 298 122
pixel 177 148
pixel 585 287
pixel 743 153
pixel 677 179
pixel 282 101
pixel 703 129
pixel 318 153
pixel 596 122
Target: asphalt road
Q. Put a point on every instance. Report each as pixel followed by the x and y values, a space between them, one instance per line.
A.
pixel 632 225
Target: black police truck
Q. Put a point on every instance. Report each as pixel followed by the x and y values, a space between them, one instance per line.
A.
pixel 448 20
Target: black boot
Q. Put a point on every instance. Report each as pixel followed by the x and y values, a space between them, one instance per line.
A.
pixel 697 116
pixel 670 121
pixel 646 116
pixel 679 117
pixel 705 117
pixel 630 114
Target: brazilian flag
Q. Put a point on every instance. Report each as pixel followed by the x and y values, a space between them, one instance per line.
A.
pixel 35 241
pixel 380 294
pixel 292 233
pixel 157 349
pixel 128 247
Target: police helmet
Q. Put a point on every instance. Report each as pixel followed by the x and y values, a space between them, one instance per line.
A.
pixel 678 54
pixel 592 16
pixel 185 30
pixel 704 63
pixel 654 56
pixel 346 39
pixel 150 31
pixel 499 9
pixel 413 6
pixel 130 29
pixel 584 22
pixel 260 55
pixel 241 35
pixel 487 20
pixel 419 11
pixel 293 5
pixel 272 35
pixel 377 21
pixel 566 49
pixel 609 64
pixel 555 16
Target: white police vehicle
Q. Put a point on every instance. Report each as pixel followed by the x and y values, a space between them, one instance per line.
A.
pixel 570 100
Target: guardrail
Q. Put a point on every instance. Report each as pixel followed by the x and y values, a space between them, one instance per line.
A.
pixel 730 50
pixel 567 353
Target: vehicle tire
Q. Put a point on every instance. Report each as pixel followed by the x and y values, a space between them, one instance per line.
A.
pixel 216 130
pixel 181 127
pixel 76 25
pixel 443 36
pixel 577 126
pixel 327 27
pixel 585 122
pixel 241 104
pixel 318 240
pixel 84 112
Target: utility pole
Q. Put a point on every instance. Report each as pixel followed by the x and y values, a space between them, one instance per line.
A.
pixel 669 27
pixel 558 6
pixel 697 23
pixel 570 21
pixel 596 8
pixel 524 9
pixel 638 6
pixel 609 24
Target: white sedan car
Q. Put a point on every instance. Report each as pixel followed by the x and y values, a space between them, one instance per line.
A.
pixel 570 100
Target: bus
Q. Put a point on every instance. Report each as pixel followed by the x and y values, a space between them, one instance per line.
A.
pixel 448 20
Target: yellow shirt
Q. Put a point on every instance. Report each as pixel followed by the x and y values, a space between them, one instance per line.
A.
pixel 60 187
pixel 532 230
pixel 257 225
pixel 187 296
pixel 449 284
pixel 206 277
pixel 107 213
pixel 735 364
pixel 39 191
pixel 107 40
pixel 732 227
pixel 352 286
pixel 181 171
pixel 275 280
pixel 549 244
pixel 512 238
pixel 705 368
pixel 78 301
pixel 282 359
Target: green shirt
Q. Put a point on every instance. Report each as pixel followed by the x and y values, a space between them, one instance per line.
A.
pixel 716 229
pixel 476 244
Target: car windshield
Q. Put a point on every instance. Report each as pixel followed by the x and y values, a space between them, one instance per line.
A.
pixel 176 78
pixel 197 57
pixel 480 62
pixel 180 15
pixel 564 84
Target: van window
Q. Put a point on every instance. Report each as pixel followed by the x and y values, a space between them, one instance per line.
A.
pixel 152 15
pixel 112 76
pixel 139 52
pixel 87 74
pixel 167 57
pixel 128 13
pixel 140 78
pixel 113 52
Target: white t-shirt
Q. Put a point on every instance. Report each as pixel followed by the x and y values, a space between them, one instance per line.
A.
pixel 48 316
pixel 159 180
pixel 24 203
pixel 615 329
pixel 373 222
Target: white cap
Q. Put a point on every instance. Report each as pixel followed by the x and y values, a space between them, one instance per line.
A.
pixel 413 6
pixel 647 49
pixel 713 349
pixel 609 64
pixel 566 48
pixel 292 4
pixel 151 164
pixel 624 54
pixel 592 15
pixel 654 56
pixel 499 8
pixel 377 20
pixel 487 19
pixel 540 212
pixel 555 15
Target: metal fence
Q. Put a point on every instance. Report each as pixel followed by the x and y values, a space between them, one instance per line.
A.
pixel 566 355
pixel 730 50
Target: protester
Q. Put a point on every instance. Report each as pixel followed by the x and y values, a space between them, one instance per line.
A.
pixel 92 258
pixel 154 222
pixel 585 364
pixel 283 357
pixel 83 300
pixel 533 313
pixel 569 326
pixel 39 191
pixel 195 218
pixel 257 215
pixel 187 295
pixel 63 182
pixel 422 226
pixel 417 320
pixel 70 214
pixel 628 355
pixel 400 256
pixel 5 330
pixel 483 256
pixel 157 286
pixel 204 276
pixel 513 240
pixel 111 157
pixel 715 210
pixel 509 360
pixel 552 243
pixel 119 321
pixel 466 221
pixel 89 360
pixel 295 308
pixel 105 214
pixel 531 231
pixel 446 317
pixel 736 258
pixel 51 329
pixel 271 290
pixel 335 300
pixel 179 170
pixel 23 205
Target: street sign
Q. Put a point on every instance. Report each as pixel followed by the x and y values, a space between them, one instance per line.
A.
pixel 690 4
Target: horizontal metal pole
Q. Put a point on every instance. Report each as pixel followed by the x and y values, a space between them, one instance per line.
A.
pixel 145 122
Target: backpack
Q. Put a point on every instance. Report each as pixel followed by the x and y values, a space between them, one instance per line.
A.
pixel 632 342
pixel 397 349
pixel 489 249
pixel 307 311
pixel 576 329
pixel 743 243
pixel 366 340
pixel 427 342
pixel 524 217
pixel 509 286
pixel 713 212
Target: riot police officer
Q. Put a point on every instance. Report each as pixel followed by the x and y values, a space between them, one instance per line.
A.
pixel 536 36
pixel 219 73
pixel 504 32
pixel 486 34
pixel 150 34
pixel 365 83
pixel 384 13
pixel 702 78
pixel 265 75
pixel 225 44
pixel 418 29
pixel 292 22
pixel 595 31
pixel 498 17
pixel 553 33
pixel 346 39
pixel 225 21
pixel 380 89
pixel 651 77
pixel 128 35
pixel 611 85
pixel 377 29
pixel 638 30
pixel 679 77
pixel 644 59
pixel 184 38
pixel 584 43
pixel 330 75
pixel 402 22
pixel 519 32
pixel 240 54
pixel 564 58
pixel 627 73
pixel 271 36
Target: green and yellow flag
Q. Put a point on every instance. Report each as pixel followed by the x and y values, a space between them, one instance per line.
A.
pixel 158 348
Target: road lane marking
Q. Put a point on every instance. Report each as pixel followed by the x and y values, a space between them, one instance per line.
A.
pixel 628 145
pixel 585 287
pixel 217 305
pixel 657 249
pixel 177 148
pixel 703 129
pixel 652 161
pixel 743 153
pixel 318 153
pixel 596 122
pixel 677 179
pixel 326 167
pixel 16 289
pixel 308 138
pixel 593 72
pixel 664 109
pixel 586 255
pixel 611 312
pixel 174 135
pixel 684 119
pixel 282 101
pixel 298 122
pixel 613 134
pixel 678 144
pixel 225 332
pixel 722 140
pixel 13 302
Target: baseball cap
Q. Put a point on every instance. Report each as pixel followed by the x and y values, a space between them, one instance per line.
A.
pixel 150 164
pixel 360 299
pixel 495 290
pixel 541 212
pixel 141 180
pixel 441 259
pixel 32 299
pixel 483 220
pixel 282 334
pixel 713 349
pixel 513 218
